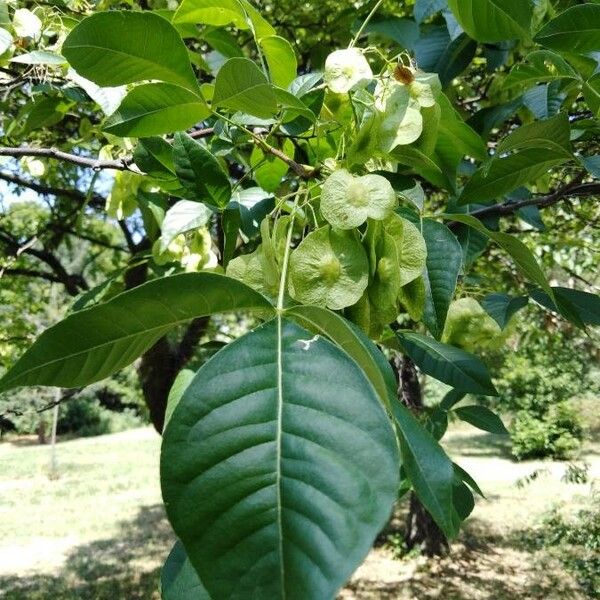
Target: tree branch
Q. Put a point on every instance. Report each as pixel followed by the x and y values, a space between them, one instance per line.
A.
pixel 31 273
pixel 574 188
pixel 96 200
pixel 121 164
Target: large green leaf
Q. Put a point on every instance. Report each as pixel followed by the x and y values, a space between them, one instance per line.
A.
pixel 179 580
pixel 118 47
pixel 577 29
pixel 239 13
pixel 591 92
pixel 585 307
pixel 462 370
pixel 482 418
pixel 155 109
pixel 93 343
pixel 493 20
pixel 353 341
pixel 279 466
pixel 553 134
pixel 200 173
pixel 444 261
pixel 428 468
pixel 241 86
pixel 505 174
pixel 520 253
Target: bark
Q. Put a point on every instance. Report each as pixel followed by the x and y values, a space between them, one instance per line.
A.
pixel 421 530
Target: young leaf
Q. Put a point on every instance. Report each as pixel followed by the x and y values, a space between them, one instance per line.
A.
pixel 200 173
pixel 576 29
pixel 155 109
pixel 428 468
pixel 178 578
pixel 118 47
pixel 93 343
pixel 241 86
pixel 482 418
pixel 444 261
pixel 460 369
pixel 284 450
pixel 183 216
pixel 493 20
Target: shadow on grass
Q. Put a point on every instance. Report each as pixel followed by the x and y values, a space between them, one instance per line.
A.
pixel 482 445
pixel 126 566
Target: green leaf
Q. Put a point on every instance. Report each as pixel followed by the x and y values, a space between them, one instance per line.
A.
pixel 154 156
pixel 505 174
pixel 118 47
pixel 183 216
pixel 427 8
pixel 464 476
pixel 181 383
pixel 462 370
pixel 451 398
pixel 577 29
pixel 155 109
pixel 494 20
pixel 553 134
pixel 444 262
pixel 200 173
pixel 482 418
pixel 351 340
pixel 428 468
pixel 93 343
pixel 281 59
pixel 279 467
pixel 219 13
pixel 241 86
pixel 520 253
pixel 585 306
pixel 501 307
pixel 178 578
pixel 541 65
pixel 592 164
pixel 591 92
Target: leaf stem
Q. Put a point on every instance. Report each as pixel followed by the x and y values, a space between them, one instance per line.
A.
pixel 365 23
pixel 286 257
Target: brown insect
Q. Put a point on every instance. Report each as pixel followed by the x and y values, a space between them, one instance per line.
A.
pixel 403 74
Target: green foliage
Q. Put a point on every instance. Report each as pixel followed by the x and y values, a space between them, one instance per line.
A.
pixel 369 186
pixel 557 433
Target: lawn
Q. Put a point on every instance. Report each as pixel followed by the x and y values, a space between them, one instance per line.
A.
pixel 98 531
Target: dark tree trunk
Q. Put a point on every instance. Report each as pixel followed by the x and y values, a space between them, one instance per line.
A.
pixel 159 365
pixel 421 530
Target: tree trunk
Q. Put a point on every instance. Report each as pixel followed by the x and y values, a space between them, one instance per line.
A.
pixel 160 364
pixel 421 530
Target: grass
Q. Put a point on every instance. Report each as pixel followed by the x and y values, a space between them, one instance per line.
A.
pixel 99 532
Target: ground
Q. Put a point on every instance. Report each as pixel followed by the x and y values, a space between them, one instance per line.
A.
pixel 98 532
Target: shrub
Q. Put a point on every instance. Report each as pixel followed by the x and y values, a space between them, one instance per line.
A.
pixel 557 433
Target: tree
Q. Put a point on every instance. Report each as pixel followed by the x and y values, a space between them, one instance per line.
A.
pixel 344 209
